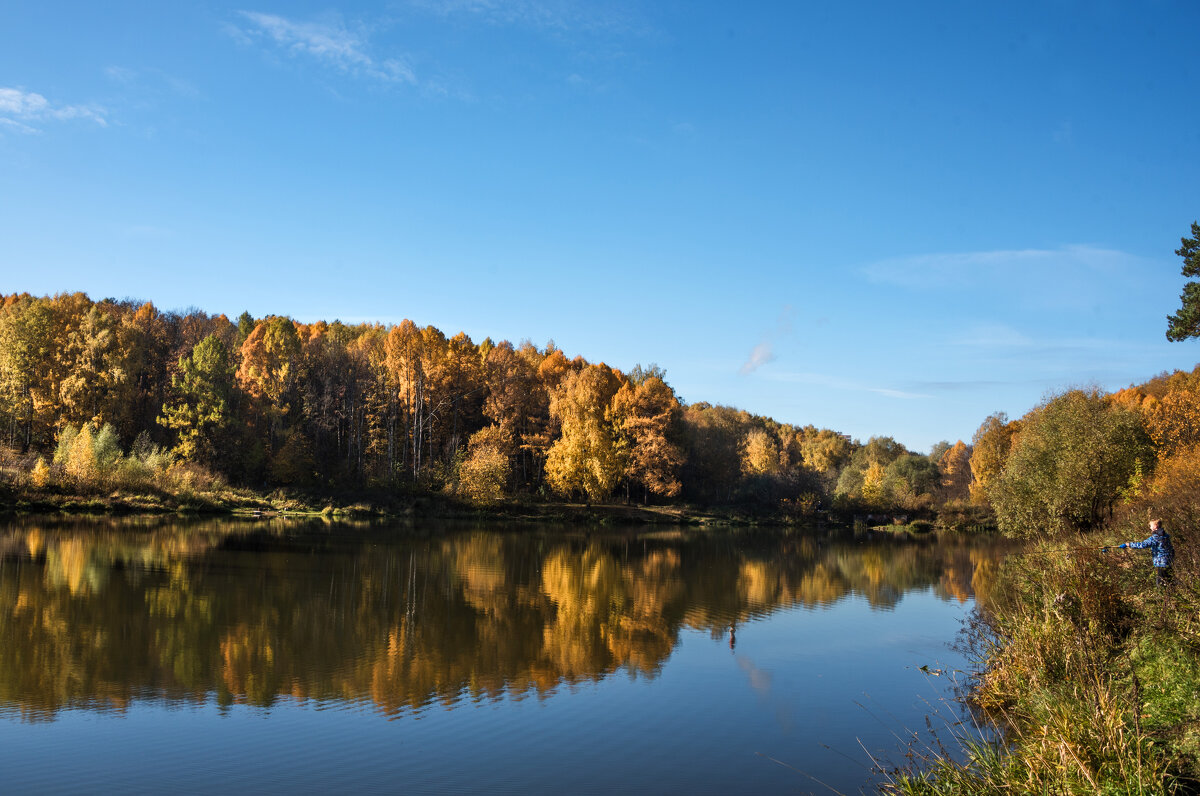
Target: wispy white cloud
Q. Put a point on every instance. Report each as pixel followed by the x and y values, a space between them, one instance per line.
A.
pixel 1067 276
pixel 150 81
pixel 902 394
pixel 1076 277
pixel 21 110
pixel 764 352
pixel 1003 340
pixel 328 42
pixel 838 383
pixel 120 74
pixel 993 335
pixel 925 271
pixel 13 124
pixel 959 269
pixel 761 355
pixel 966 385
pixel 580 82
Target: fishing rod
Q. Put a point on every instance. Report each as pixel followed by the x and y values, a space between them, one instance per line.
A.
pixel 1103 549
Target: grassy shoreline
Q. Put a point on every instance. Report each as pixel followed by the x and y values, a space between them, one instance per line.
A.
pixel 23 498
pixel 366 504
pixel 1091 672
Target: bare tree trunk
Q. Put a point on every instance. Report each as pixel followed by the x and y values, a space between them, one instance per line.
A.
pixel 418 425
pixel 391 444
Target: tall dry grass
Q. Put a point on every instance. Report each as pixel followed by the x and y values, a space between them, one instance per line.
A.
pixel 1090 671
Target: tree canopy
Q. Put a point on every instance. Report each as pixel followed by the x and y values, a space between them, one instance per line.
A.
pixel 1069 463
pixel 1185 322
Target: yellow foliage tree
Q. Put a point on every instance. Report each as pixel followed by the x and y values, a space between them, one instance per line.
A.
pixel 517 401
pixel 39 476
pixel 646 415
pixel 1174 420
pixel 824 450
pixel 80 461
pixel 589 456
pixel 483 475
pixel 26 354
pixel 872 486
pixel 760 453
pixel 269 367
pixel 991 445
pixel 405 363
pixel 955 465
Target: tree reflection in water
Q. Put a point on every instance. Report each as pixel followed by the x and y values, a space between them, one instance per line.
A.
pixel 97 614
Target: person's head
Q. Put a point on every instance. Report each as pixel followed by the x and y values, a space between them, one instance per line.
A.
pixel 1156 525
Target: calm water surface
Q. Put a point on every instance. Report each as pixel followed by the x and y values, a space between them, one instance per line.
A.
pixel 275 656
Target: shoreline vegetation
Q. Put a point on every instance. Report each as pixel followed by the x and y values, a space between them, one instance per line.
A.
pixel 244 502
pixel 1087 670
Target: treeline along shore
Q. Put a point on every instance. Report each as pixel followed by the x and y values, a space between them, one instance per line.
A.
pixel 111 400
pixel 117 398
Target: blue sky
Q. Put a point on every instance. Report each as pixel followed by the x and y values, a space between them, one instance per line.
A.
pixel 883 218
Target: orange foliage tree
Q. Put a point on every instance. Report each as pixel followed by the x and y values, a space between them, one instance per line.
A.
pixel 647 416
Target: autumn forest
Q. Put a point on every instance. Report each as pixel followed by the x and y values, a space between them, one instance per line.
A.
pixel 104 395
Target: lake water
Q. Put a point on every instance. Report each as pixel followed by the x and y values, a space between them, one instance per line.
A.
pixel 285 656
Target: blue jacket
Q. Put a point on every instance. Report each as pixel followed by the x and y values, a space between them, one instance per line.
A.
pixel 1160 545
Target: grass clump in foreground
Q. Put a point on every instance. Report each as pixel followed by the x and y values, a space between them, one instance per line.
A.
pixel 1091 672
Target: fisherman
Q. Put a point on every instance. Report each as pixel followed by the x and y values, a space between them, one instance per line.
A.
pixel 1159 543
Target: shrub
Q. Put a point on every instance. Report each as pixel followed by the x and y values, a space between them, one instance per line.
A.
pixel 106 449
pixel 189 478
pixel 66 441
pixel 483 474
pixel 131 473
pixel 1073 456
pixel 40 475
pixel 80 463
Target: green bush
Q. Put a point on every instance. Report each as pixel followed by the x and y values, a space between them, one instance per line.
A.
pixel 1068 466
